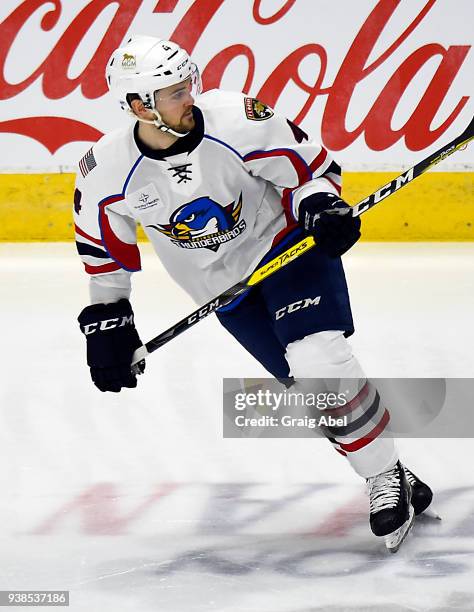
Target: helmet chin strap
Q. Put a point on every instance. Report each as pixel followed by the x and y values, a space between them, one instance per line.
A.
pixel 160 124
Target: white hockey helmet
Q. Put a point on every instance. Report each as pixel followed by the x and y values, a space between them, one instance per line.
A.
pixel 146 64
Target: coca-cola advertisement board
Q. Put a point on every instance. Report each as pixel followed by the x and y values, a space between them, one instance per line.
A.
pixel 380 82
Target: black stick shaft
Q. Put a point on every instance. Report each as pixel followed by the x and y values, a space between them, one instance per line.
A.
pixel 418 169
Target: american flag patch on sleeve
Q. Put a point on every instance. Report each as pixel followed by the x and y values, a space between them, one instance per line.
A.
pixel 87 163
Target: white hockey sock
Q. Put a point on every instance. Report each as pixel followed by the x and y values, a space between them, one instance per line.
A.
pixel 323 362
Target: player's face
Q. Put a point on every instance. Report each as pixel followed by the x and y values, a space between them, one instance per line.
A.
pixel 175 103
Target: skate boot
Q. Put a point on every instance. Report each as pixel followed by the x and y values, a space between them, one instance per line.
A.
pixel 391 513
pixel 421 495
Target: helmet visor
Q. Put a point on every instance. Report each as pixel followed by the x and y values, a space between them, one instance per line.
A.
pixel 177 94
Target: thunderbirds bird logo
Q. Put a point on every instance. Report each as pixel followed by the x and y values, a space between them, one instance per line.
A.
pixel 203 223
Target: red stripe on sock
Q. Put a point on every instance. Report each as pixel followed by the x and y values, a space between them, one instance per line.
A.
pixel 353 404
pixel 376 431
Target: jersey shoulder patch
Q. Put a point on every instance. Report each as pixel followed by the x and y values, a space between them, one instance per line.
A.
pixel 256 110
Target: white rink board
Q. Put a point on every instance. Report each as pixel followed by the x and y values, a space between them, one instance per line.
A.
pixel 419 38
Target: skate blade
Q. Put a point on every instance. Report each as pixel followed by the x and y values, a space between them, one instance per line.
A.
pixel 394 540
pixel 431 513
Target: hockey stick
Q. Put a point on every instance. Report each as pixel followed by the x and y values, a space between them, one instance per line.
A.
pixel 418 169
pixel 298 249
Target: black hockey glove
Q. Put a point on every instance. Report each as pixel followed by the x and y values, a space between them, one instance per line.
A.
pixel 320 215
pixel 111 341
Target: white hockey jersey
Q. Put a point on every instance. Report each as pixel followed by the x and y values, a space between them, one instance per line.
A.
pixel 212 205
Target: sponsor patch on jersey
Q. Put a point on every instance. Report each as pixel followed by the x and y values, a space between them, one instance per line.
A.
pixel 204 224
pixel 256 110
pixel 87 163
pixel 144 199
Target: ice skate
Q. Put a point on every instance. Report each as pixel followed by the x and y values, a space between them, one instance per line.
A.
pixel 421 495
pixel 391 513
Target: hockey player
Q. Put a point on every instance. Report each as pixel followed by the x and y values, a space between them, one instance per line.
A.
pixel 221 184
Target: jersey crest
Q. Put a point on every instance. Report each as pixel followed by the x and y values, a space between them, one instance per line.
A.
pixel 256 110
pixel 204 224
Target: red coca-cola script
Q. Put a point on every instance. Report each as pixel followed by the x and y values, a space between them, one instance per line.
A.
pixel 355 67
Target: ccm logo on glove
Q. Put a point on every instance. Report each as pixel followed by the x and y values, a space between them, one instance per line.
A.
pixel 106 324
pixel 111 340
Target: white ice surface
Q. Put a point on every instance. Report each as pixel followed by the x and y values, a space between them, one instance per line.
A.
pixel 135 502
